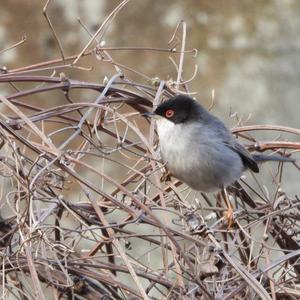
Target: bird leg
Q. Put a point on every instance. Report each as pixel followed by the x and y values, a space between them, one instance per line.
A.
pixel 228 215
pixel 166 176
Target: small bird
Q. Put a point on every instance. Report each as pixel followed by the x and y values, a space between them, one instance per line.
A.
pixel 198 148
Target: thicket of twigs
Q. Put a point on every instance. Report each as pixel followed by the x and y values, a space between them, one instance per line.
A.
pixel 87 214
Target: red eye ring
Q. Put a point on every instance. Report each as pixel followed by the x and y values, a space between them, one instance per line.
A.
pixel 169 113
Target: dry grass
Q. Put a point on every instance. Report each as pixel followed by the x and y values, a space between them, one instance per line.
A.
pixel 86 214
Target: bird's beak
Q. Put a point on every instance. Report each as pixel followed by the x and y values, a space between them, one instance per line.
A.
pixel 149 114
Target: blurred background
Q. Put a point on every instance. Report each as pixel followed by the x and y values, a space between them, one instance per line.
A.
pixel 248 51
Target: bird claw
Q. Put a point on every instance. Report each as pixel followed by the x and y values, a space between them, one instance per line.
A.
pixel 166 176
pixel 229 217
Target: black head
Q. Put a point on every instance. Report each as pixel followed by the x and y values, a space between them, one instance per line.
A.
pixel 180 109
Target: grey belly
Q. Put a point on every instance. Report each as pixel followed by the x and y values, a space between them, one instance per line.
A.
pixel 205 170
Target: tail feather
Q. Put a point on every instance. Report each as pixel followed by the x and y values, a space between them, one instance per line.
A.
pixel 262 158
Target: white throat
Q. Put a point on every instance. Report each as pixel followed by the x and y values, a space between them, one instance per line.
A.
pixel 164 128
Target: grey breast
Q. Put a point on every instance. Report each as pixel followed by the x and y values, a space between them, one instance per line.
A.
pixel 200 158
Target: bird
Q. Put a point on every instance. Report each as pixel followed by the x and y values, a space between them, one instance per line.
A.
pixel 198 148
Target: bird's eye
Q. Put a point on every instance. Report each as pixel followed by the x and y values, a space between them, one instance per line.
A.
pixel 169 113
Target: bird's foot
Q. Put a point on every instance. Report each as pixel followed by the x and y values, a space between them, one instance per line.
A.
pixel 166 176
pixel 229 217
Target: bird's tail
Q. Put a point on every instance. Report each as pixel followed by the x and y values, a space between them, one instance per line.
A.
pixel 262 158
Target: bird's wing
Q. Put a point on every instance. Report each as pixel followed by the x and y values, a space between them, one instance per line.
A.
pixel 246 157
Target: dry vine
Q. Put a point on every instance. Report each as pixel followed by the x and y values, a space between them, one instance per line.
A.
pixel 74 230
